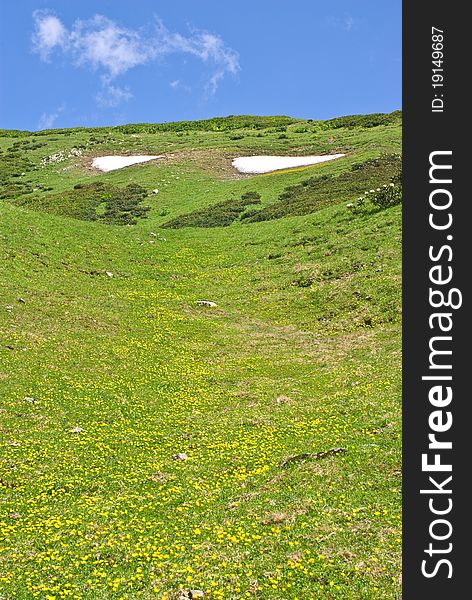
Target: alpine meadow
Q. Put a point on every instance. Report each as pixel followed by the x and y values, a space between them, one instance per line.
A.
pixel 201 368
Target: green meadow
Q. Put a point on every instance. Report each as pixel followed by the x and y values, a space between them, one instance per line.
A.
pixel 151 445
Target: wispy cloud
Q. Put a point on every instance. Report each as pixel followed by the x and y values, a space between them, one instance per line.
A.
pixel 49 33
pixel 47 120
pixel 103 45
pixel 112 95
pixel 346 23
pixel 111 50
pixel 178 85
pixel 208 47
pixel 349 23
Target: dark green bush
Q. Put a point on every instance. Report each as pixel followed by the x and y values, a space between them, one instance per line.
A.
pixel 383 196
pixel 93 202
pixel 248 213
pixel 122 205
pixel 386 196
pixel 8 133
pixel 372 120
pixel 228 123
pixel 318 192
pixel 13 163
pixel 221 214
pixel 255 196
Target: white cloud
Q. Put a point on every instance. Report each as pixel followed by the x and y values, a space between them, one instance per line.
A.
pixel 102 44
pixel 112 96
pixel 180 86
pixel 49 33
pixel 112 50
pixel 208 47
pixel 346 23
pixel 47 120
pixel 349 23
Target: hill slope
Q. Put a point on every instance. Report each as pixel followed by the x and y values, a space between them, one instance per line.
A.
pixel 144 437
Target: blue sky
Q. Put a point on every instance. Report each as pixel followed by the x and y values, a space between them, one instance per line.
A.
pixel 66 63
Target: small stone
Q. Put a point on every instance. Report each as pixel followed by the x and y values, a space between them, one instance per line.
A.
pixel 108 273
pixel 76 430
pixel 180 456
pixel 30 399
pixel 206 303
pixel 152 234
pixel 9 307
pixel 155 191
pixel 22 300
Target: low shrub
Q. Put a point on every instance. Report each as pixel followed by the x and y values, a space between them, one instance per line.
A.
pixel 221 214
pixel 122 206
pixel 248 213
pixel 93 202
pixel 14 164
pixel 367 121
pixel 315 193
pixel 382 197
pixel 357 207
pixel 386 196
pixel 255 196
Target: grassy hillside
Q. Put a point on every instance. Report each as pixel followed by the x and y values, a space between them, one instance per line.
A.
pixel 150 445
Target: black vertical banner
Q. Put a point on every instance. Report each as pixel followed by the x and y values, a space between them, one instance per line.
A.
pixel 436 323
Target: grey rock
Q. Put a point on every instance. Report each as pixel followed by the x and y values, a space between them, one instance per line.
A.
pixel 206 303
pixel 180 456
pixel 189 594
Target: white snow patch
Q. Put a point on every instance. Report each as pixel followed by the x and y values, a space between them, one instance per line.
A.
pixel 111 163
pixel 265 164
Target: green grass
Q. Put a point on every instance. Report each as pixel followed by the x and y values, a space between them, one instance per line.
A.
pixel 101 331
